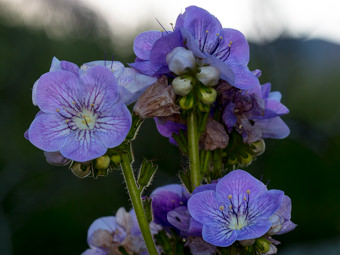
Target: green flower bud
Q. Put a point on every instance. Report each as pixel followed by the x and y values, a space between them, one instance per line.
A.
pixel 80 170
pixel 116 159
pixel 182 85
pixel 258 147
pixel 262 245
pixel 207 95
pixel 102 163
pixel 187 102
pixel 232 160
pixel 203 107
pixel 245 159
pixel 208 75
pixel 146 173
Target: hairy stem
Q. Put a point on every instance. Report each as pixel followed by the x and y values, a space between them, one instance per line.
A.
pixel 193 150
pixel 135 197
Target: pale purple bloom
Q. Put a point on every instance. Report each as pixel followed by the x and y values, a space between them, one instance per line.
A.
pixel 200 32
pixel 106 234
pixel 281 222
pixel 80 115
pixel 131 83
pixel 253 113
pixel 166 199
pixel 239 209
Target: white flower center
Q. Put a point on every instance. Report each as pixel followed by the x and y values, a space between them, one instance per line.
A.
pixel 85 120
pixel 238 222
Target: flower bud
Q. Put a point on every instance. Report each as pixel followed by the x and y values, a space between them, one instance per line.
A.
pixel 102 163
pixel 180 60
pixel 208 75
pixel 80 170
pixel 258 147
pixel 207 95
pixel 116 159
pixel 262 245
pixel 187 102
pixel 182 85
pixel 245 159
pixel 203 107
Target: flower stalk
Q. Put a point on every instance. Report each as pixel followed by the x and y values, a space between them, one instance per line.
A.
pixel 193 149
pixel 135 197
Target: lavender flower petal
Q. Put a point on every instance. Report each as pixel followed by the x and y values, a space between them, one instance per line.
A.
pixel 218 235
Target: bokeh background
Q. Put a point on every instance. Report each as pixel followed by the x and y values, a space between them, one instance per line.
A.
pixel 46 210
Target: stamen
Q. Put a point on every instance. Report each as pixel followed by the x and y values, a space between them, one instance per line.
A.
pixel 172 201
pixel 58 110
pixel 240 126
pixel 230 43
pixel 244 198
pixel 230 196
pixel 230 207
pixel 180 202
pixel 111 63
pixel 161 26
pixel 205 40
pixel 172 26
pixel 74 103
pixel 248 191
pixel 221 207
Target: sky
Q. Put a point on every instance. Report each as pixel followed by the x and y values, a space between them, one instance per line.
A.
pixel 260 20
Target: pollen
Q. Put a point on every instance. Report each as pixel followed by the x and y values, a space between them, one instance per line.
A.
pixel 217 34
pixel 58 110
pixel 240 126
pixel 73 102
pixel 248 191
pixel 230 207
pixel 162 30
pixel 92 105
pixel 180 202
pixel 221 207
pixel 67 121
pixel 245 199
pixel 230 196
pixel 230 43
pixel 206 31
pixel 172 201
pixel 221 37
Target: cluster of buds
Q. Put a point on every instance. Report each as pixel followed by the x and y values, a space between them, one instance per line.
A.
pixel 194 81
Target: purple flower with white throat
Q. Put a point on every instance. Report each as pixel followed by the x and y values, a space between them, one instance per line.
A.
pixel 239 209
pixel 80 115
pixel 253 113
pixel 201 33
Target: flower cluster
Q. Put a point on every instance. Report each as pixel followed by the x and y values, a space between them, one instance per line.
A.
pixel 195 82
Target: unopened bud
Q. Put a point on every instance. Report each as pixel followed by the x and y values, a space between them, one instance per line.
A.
pixel 232 160
pixel 102 163
pixel 203 107
pixel 262 245
pixel 245 159
pixel 116 159
pixel 258 147
pixel 80 170
pixel 207 95
pixel 208 75
pixel 180 60
pixel 182 85
pixel 187 102
pixel 146 173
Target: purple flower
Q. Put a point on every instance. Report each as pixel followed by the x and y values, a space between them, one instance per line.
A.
pixel 80 115
pixel 201 33
pixel 166 199
pixel 106 234
pixel 253 113
pixel 131 83
pixel 239 209
pixel 167 128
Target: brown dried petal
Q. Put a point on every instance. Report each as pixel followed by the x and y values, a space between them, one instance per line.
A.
pixel 214 136
pixel 157 101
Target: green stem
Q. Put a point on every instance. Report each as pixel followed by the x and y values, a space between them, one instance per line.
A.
pixel 193 150
pixel 135 197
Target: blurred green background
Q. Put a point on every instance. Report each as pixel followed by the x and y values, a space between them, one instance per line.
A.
pixel 46 210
